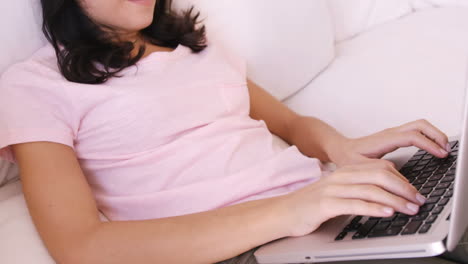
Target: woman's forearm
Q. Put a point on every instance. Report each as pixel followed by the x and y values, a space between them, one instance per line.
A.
pixel 312 136
pixel 315 138
pixel 206 237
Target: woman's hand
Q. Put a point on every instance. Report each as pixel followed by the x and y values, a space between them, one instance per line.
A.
pixel 421 134
pixel 372 189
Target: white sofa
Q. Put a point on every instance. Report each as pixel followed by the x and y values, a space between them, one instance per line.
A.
pixel 360 65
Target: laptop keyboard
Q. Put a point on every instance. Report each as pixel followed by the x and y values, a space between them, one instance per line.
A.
pixel 434 178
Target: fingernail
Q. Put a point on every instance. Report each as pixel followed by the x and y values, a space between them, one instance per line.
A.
pixel 413 207
pixel 448 148
pixel 443 151
pixel 420 198
pixel 388 210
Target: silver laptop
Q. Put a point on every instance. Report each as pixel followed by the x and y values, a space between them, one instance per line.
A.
pixel 437 227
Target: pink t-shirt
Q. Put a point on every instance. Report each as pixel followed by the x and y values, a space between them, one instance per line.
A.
pixel 172 136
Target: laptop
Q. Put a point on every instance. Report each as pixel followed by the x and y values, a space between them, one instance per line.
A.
pixel 438 226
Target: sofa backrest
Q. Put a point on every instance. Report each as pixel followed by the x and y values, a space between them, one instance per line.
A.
pixel 20 30
pixel 286 44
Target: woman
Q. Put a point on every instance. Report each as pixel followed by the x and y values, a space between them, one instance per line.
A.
pixel 132 112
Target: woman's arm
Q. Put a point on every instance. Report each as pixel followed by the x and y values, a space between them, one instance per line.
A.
pixel 312 136
pixel 63 209
pixel 315 138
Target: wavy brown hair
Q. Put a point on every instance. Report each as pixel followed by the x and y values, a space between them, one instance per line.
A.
pixel 85 52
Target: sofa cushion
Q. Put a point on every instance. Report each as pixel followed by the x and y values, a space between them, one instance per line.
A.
pixel 21 30
pixel 8 172
pixel 20 241
pixel 286 45
pixel 353 17
pixel 411 68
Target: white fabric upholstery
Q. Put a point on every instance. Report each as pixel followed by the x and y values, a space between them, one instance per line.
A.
pixel 8 172
pixel 353 17
pixel 20 243
pixel 20 30
pixel 285 46
pixel 408 69
pixel 418 4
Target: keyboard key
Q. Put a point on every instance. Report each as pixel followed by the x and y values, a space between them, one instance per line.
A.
pixel 381 226
pixel 400 222
pixel 389 219
pixel 449 193
pixel 426 207
pixel 437 210
pixel 421 152
pixel 425 175
pixel 443 201
pixel 448 178
pixel 405 171
pixel 442 170
pixel 444 185
pixel 358 236
pixel 424 229
pixel 423 162
pixel 412 227
pixel 425 191
pixel 439 192
pixel 420 181
pixel 432 200
pixel 341 236
pixel 354 224
pixel 451 158
pixel 453 144
pixel 450 173
pixel 352 227
pixel 418 168
pixel 427 157
pixel 356 219
pixel 436 177
pixel 414 158
pixel 420 216
pixel 410 163
pixel 434 162
pixel 431 167
pixel 413 174
pixel 392 231
pixel 418 186
pixel 431 219
pixel 365 229
pixel 430 184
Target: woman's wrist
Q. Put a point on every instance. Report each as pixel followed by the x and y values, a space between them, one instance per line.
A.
pixel 336 149
pixel 317 139
pixel 284 215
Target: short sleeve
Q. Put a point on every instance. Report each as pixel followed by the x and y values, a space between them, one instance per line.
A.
pixel 32 109
pixel 233 58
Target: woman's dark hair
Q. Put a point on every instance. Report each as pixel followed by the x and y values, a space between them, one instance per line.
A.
pixel 85 52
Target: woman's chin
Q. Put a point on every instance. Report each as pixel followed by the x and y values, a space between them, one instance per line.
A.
pixel 134 26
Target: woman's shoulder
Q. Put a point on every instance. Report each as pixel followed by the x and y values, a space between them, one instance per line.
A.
pixel 228 55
